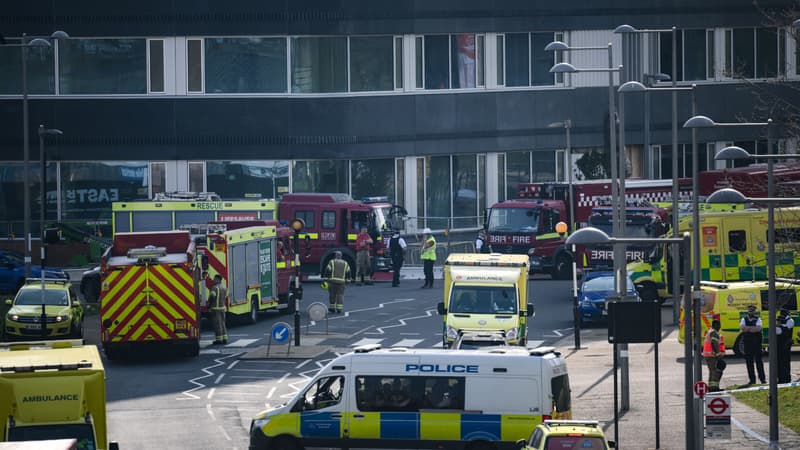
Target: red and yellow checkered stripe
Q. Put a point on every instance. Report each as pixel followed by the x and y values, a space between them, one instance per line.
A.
pixel 148 303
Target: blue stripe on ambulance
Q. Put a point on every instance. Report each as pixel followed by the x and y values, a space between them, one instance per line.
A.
pixel 320 424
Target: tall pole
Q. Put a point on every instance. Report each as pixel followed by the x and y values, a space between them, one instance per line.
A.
pixel 621 274
pixel 696 336
pixel 773 337
pixel 26 151
pixel 613 148
pixel 675 206
pixel 42 199
pixel 688 375
pixel 575 308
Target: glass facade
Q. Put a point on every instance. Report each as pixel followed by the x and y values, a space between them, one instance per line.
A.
pixel 372 177
pixel 102 66
pixel 320 176
pixel 319 64
pixel 245 65
pixel 437 63
pixel 41 69
pixel 465 190
pixel 437 192
pixel 518 170
pixel 247 179
pixel 371 63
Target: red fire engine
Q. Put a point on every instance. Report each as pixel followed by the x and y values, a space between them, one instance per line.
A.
pixel 526 225
pixel 752 180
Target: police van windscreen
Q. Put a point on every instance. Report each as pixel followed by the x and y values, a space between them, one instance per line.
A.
pixel 483 299
pixel 82 433
pixel 509 220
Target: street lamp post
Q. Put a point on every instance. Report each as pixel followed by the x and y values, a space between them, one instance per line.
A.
pixel 738 153
pixel 576 322
pixel 635 86
pixel 705 122
pixel 591 235
pixel 26 149
pixel 43 200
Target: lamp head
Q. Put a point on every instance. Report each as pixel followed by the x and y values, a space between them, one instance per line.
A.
pixel 699 122
pixel 726 195
pixel 796 24
pixel 49 131
pixel 556 46
pixel 625 29
pixel 632 86
pixel 38 42
pixel 732 152
pixel 59 35
pixel 588 235
pixel 563 67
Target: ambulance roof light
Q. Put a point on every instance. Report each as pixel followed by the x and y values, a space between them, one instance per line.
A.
pixel 149 251
pixel 541 351
pixel 375 199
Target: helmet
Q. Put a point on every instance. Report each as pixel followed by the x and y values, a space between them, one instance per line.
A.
pixel 324 285
pixel 721 365
pixel 426 231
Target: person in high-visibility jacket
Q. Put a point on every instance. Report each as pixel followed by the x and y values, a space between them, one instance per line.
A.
pixel 216 299
pixel 428 256
pixel 714 351
pixel 336 274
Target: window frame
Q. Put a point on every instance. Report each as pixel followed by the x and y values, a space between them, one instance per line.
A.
pixel 163 66
pixel 202 63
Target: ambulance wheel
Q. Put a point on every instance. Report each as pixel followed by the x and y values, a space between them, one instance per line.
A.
pixel 481 445
pixel 649 293
pixel 738 346
pixel 562 269
pixel 285 443
pixel 253 316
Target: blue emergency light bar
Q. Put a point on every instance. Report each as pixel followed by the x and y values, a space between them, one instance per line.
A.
pixel 375 199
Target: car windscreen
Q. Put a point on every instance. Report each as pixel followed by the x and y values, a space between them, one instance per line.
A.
pixel 574 443
pixel 602 284
pixel 483 299
pixel 34 297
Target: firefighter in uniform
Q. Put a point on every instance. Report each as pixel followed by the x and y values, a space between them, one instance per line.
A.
pixel 428 256
pixel 363 263
pixel 713 352
pixel 336 274
pixel 216 299
pixel 751 325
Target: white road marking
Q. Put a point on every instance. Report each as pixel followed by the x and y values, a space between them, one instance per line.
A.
pixel 407 343
pixel 206 342
pixel 219 378
pixel 188 395
pixel 271 392
pixel 534 344
pixel 302 364
pixel 366 341
pixel 259 370
pixel 409 334
pixel 362 330
pixel 241 342
pixel 283 378
pixel 557 333
pixel 233 364
pixel 380 330
pixel 211 393
pixel 210 412
pixel 225 433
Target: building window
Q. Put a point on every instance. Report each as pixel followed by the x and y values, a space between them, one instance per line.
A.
pixel 544 166
pixel 248 179
pixel 710 68
pixel 541 61
pixel 465 189
pixel 463 59
pixel 319 64
pixel 480 58
pixel 158 178
pixel 420 192
pixel 197 176
pixel 41 69
pixel 438 193
pixel 371 63
pixel 398 62
pixel 319 176
pixel 419 56
pixel 102 66
pixel 194 65
pixel 694 55
pixel 245 65
pixel 400 170
pixel 372 177
pixel 501 178
pixel 501 60
pixel 753 53
pixel 767 44
pixel 436 56
pixel 517 56
pixel 156 58
pixel 518 166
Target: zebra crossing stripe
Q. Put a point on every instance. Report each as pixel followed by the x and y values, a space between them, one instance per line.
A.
pixel 407 343
pixel 366 341
pixel 241 342
pixel 534 344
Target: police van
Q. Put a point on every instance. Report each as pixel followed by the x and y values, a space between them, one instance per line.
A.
pixel 421 398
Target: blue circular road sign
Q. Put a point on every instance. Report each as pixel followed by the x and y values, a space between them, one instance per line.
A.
pixel 281 332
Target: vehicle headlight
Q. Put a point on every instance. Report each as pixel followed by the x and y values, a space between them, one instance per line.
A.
pixel 512 334
pixel 260 423
pixel 13 317
pixel 59 318
pixel 452 333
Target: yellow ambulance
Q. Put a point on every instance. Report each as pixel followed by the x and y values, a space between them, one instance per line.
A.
pixel 486 293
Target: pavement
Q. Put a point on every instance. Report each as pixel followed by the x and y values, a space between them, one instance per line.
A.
pixel 592 381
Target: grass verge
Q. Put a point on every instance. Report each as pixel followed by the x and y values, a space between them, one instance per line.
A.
pixel 788 405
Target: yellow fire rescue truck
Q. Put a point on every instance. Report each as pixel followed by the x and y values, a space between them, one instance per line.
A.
pixel 257 266
pixel 486 292
pixel 150 292
pixel 728 302
pixel 53 390
pixel 733 247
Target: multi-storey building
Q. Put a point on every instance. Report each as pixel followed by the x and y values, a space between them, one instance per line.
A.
pixel 443 106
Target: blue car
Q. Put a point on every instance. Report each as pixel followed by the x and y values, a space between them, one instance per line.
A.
pixel 12 271
pixel 595 288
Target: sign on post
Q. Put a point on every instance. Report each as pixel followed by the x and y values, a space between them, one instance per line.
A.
pixel 700 389
pixel 281 332
pixel 718 416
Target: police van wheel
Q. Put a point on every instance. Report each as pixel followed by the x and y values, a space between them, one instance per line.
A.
pixel 738 346
pixel 253 317
pixel 285 443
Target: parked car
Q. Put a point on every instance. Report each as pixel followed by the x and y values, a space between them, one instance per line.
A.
pixel 90 285
pixel 62 309
pixel 567 434
pixel 595 288
pixel 12 271
pixel 470 340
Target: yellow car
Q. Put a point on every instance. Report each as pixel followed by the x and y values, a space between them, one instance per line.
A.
pixel 567 435
pixel 63 312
